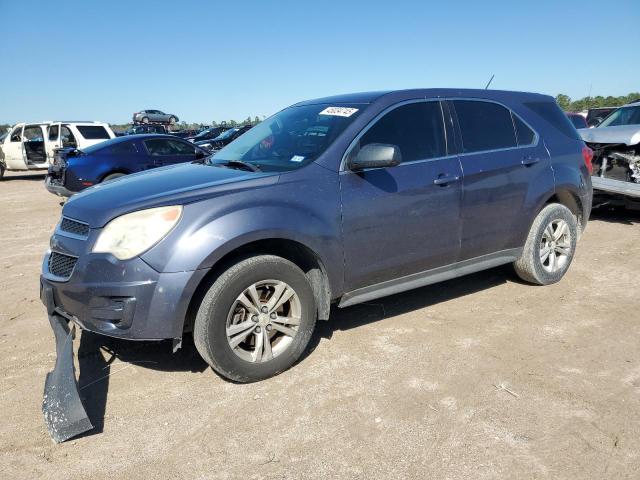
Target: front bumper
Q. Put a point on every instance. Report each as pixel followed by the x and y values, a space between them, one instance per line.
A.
pixel 122 299
pixel 62 407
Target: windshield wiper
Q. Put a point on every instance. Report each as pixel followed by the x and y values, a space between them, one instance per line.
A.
pixel 238 164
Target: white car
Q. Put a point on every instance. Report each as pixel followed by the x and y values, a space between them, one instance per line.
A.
pixel 30 146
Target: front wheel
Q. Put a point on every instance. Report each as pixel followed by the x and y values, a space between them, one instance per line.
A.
pixel 2 169
pixel 172 120
pixel 145 120
pixel 550 246
pixel 256 319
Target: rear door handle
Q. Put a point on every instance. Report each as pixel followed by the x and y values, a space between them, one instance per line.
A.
pixel 444 179
pixel 528 161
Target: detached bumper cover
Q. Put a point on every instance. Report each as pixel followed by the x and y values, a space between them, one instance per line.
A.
pixel 63 410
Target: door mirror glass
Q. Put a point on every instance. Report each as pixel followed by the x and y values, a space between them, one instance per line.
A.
pixel 376 155
pixel 200 154
pixel 16 137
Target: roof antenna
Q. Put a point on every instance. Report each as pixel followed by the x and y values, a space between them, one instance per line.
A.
pixel 489 82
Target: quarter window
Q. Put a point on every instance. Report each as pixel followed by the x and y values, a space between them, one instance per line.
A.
pixel 93 132
pixel 484 126
pixel 525 135
pixel 416 129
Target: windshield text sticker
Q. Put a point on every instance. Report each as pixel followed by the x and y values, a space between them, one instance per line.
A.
pixel 297 158
pixel 339 111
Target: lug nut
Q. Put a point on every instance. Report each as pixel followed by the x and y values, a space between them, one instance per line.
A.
pixel 273 315
pixel 257 329
pixel 264 309
pixel 268 327
pixel 255 318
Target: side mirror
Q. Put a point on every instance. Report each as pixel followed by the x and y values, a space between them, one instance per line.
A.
pixel 200 154
pixel 16 138
pixel 376 155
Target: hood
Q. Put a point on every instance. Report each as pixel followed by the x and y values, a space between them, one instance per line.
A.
pixel 626 134
pixel 174 185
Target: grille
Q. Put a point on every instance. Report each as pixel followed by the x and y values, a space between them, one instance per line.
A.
pixel 61 265
pixel 74 227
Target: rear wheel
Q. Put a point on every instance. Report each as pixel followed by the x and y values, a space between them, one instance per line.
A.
pixel 550 246
pixel 2 169
pixel 172 120
pixel 113 176
pixel 256 319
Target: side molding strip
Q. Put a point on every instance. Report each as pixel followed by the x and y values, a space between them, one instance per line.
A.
pixel 429 277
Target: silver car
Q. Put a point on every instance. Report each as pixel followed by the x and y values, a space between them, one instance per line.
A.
pixel 146 116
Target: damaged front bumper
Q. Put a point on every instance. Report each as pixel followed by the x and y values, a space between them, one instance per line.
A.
pixel 62 407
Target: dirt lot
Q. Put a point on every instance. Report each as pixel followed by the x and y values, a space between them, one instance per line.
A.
pixel 483 377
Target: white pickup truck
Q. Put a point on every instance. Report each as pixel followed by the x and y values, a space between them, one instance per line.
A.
pixel 30 146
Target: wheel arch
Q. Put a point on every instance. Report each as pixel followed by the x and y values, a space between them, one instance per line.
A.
pixel 572 201
pixel 296 252
pixel 111 172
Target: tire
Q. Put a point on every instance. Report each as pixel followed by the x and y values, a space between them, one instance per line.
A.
pixel 221 308
pixel 113 176
pixel 172 120
pixel 145 119
pixel 2 169
pixel 533 266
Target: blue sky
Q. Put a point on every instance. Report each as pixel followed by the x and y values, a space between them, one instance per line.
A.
pixel 206 60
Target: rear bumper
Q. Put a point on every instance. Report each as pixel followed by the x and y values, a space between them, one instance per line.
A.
pixel 127 300
pixel 57 188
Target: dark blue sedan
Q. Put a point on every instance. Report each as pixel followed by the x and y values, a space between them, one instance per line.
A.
pixel 74 170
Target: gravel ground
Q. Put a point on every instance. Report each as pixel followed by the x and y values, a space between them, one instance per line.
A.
pixel 481 377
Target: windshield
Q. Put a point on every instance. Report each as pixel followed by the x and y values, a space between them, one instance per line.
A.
pixel 207 133
pixel 226 134
pixel 291 138
pixel 623 116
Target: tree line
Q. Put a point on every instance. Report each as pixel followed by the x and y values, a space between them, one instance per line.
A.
pixel 585 103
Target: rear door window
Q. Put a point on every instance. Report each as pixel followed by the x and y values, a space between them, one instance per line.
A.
pixel 68 140
pixel 484 126
pixel 93 132
pixel 53 132
pixel 550 111
pixel 417 129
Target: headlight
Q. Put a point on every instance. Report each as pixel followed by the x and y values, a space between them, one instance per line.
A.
pixel 131 234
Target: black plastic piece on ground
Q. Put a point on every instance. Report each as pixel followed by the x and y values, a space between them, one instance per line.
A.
pixel 63 411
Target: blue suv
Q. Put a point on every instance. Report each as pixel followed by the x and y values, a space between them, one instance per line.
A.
pixel 338 200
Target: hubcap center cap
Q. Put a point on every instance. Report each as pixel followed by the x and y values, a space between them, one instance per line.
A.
pixel 263 319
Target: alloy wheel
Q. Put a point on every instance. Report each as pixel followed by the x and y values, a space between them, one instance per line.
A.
pixel 263 321
pixel 555 246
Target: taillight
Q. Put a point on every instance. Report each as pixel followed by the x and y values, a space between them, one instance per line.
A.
pixel 587 155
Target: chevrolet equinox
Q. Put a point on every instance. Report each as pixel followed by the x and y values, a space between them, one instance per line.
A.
pixel 336 200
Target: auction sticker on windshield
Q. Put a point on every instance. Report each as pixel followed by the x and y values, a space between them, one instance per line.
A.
pixel 339 111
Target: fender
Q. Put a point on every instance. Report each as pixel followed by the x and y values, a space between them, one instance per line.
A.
pixel 212 228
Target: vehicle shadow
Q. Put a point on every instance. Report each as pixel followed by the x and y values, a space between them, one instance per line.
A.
pixel 9 176
pixel 379 309
pixel 97 353
pixel 615 215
